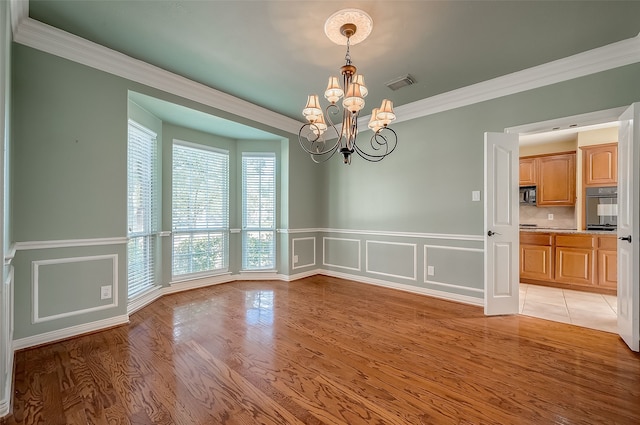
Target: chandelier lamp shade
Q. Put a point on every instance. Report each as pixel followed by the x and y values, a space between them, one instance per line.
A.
pixel 346 27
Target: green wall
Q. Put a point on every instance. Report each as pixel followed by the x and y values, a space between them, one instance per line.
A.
pixel 69 179
pixel 69 151
pixel 421 194
pixel 426 184
pixel 385 223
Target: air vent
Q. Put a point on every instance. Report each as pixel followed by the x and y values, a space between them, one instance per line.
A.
pixel 397 83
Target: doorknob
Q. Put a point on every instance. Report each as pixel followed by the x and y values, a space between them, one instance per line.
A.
pixel 627 238
pixel 490 233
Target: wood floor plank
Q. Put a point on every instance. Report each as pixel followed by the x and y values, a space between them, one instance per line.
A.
pixel 323 350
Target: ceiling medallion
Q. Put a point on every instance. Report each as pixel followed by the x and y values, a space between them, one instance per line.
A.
pixel 347 27
pixel 357 17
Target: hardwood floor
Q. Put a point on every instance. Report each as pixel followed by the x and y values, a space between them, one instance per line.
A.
pixel 327 351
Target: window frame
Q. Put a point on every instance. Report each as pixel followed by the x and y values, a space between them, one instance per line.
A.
pixel 224 230
pixel 148 236
pixel 274 213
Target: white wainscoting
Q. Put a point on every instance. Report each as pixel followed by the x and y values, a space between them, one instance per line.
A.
pixel 406 288
pixel 369 268
pixel 449 290
pixel 352 245
pixel 445 284
pixel 294 253
pixel 36 265
pixel 355 245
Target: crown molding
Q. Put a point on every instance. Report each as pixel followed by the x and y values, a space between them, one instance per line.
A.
pixel 40 36
pixel 46 38
pixel 19 10
pixel 604 58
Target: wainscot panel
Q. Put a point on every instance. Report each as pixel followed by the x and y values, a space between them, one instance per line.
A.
pixel 303 252
pixel 342 253
pixel 61 286
pixel 393 259
pixel 454 268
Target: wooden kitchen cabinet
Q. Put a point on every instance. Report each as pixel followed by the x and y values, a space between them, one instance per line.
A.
pixel 557 180
pixel 574 259
pixel 608 262
pixel 574 265
pixel 528 171
pixel 600 165
pixel 569 260
pixel 536 256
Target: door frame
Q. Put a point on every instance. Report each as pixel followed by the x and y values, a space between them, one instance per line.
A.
pixel 581 120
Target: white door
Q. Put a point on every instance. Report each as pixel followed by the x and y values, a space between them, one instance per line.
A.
pixel 628 217
pixel 501 240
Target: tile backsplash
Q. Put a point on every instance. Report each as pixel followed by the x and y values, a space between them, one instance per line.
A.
pixel 563 217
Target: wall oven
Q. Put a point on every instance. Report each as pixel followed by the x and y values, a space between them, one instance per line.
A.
pixel 601 204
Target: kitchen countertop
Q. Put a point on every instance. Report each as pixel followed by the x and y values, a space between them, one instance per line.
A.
pixel 571 231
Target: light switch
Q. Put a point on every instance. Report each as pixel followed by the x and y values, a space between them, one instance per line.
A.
pixel 475 195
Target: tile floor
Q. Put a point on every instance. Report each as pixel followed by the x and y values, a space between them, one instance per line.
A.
pixel 584 309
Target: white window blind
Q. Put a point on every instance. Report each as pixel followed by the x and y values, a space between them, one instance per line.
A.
pixel 258 211
pixel 200 209
pixel 142 220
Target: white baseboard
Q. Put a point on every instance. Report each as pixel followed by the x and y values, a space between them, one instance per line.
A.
pixel 465 299
pixel 145 299
pixel 187 285
pixel 72 331
pixel 259 275
pixel 5 402
pixel 302 275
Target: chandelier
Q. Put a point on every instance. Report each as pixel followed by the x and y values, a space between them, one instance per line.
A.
pixel 347 27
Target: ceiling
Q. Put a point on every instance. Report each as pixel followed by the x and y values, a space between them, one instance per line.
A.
pixel 274 53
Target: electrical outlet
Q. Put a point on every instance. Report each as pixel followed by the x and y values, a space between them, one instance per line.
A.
pixel 549 216
pixel 105 292
pixel 431 270
pixel 295 259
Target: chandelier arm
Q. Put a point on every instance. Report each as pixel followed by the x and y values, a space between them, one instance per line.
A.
pixel 333 109
pixel 390 142
pixel 315 143
pixel 315 159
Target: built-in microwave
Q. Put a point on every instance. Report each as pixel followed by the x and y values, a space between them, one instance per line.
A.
pixel 601 205
pixel 528 195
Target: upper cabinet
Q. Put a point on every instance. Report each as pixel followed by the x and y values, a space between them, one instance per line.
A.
pixel 600 166
pixel 557 180
pixel 554 175
pixel 528 171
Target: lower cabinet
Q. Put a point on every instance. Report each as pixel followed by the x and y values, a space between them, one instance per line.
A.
pixel 608 262
pixel 574 265
pixel 574 259
pixel 581 260
pixel 535 262
pixel 536 256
